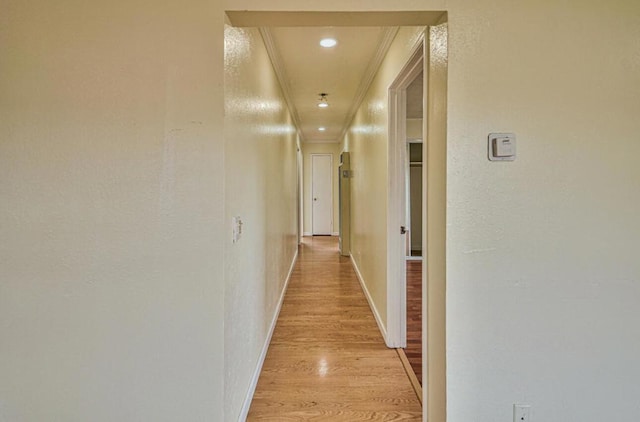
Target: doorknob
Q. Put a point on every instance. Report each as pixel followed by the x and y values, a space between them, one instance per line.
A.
pixel 403 230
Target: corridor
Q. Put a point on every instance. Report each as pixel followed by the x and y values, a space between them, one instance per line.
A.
pixel 327 359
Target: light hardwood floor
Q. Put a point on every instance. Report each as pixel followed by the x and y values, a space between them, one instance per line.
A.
pixel 414 317
pixel 327 360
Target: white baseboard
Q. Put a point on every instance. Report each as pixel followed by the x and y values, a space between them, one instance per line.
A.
pixel 374 310
pixel 256 374
pixel 307 234
pixel 335 234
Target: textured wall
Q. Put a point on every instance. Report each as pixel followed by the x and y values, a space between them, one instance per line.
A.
pixel 260 187
pixel 543 271
pixel 111 177
pixel 367 140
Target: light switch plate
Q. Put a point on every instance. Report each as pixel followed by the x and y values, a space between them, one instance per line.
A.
pixel 501 146
pixel 521 413
pixel 237 229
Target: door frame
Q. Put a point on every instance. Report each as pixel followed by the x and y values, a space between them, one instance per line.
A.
pixel 330 196
pixel 434 230
pixel 434 171
pixel 432 52
pixel 397 203
pixel 300 191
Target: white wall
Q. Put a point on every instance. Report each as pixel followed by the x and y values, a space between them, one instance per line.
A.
pixel 260 187
pixel 543 270
pixel 111 179
pixel 309 148
pixel 414 129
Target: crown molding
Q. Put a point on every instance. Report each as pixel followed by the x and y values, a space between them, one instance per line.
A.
pixel 384 43
pixel 281 74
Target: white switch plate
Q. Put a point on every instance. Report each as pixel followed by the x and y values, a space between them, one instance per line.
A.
pixel 521 413
pixel 501 146
pixel 237 228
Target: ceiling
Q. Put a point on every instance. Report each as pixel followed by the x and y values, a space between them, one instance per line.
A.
pixel 344 72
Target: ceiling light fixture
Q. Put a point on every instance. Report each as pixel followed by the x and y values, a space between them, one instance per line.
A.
pixel 322 101
pixel 322 129
pixel 328 42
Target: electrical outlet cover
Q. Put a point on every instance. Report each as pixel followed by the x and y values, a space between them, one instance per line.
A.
pixel 521 413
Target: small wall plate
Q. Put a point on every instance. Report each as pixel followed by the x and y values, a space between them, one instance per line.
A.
pixel 501 146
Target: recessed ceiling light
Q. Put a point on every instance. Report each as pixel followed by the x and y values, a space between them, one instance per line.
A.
pixel 328 42
pixel 322 129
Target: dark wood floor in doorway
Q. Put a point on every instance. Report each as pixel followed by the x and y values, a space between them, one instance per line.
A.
pixel 327 360
pixel 414 316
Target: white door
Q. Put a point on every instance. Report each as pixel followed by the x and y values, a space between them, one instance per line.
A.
pixel 321 194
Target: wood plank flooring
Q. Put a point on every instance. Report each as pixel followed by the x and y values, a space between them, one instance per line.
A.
pixel 327 360
pixel 414 317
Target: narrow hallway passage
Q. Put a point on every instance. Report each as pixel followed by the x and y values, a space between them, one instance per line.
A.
pixel 327 360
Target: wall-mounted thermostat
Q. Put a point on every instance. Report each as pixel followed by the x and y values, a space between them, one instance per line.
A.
pixel 502 146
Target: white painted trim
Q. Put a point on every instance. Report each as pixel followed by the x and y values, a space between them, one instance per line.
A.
pixel 281 74
pixel 265 347
pixel 307 234
pixel 414 258
pixel 397 202
pixel 300 189
pixel 374 310
pixel 434 229
pixel 294 16
pixel 335 234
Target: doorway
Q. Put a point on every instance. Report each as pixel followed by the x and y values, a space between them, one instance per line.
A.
pixel 414 171
pixel 435 57
pixel 414 187
pixel 299 192
pixel 405 212
pixel 398 216
pixel 321 194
